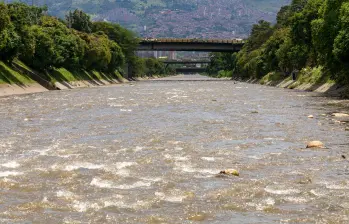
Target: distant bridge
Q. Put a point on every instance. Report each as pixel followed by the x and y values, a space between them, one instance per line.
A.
pixel 186 62
pixel 190 70
pixel 210 45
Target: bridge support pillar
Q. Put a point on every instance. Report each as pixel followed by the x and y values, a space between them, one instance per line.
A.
pixel 127 71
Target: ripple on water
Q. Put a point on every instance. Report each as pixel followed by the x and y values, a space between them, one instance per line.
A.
pixel 84 165
pixel 11 164
pixel 262 205
pixel 65 194
pixel 299 200
pixel 98 182
pixel 80 206
pixel 10 173
pixel 210 159
pixel 280 189
pixel 137 184
pixel 189 169
pixel 174 197
pixel 121 165
pixel 337 185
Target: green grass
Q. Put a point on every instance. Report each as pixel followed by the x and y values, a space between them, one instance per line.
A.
pixel 314 76
pixel 9 76
pixel 272 77
pixel 65 75
pixel 13 75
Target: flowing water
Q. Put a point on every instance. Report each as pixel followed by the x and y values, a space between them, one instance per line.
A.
pixel 150 152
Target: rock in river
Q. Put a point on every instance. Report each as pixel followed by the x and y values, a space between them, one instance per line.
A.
pixel 230 172
pixel 315 144
pixel 340 115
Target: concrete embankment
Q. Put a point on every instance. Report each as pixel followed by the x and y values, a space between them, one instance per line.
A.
pixel 311 82
pixel 20 79
pixel 16 89
pixel 34 87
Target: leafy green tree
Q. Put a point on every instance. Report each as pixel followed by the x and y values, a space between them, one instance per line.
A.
pixel 24 15
pixel 341 42
pixel 325 30
pixel 9 39
pixel 45 53
pixel 27 45
pixel 98 54
pixel 9 44
pixel 79 20
pixel 52 44
pixel 259 34
pixel 270 48
pixel 137 66
pixel 117 57
pixel 283 16
pixel 222 61
pixel 4 17
pixel 126 39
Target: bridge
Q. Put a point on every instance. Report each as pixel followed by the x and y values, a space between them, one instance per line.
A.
pixel 185 62
pixel 190 70
pixel 211 45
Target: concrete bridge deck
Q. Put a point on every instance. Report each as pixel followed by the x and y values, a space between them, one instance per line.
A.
pixel 186 62
pixel 190 70
pixel 164 44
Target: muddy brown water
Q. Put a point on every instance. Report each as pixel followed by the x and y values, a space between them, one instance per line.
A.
pixel 149 152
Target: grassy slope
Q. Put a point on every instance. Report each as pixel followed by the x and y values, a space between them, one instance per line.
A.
pixel 313 76
pixel 11 75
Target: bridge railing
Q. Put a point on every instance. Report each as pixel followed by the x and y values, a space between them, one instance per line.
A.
pixel 194 40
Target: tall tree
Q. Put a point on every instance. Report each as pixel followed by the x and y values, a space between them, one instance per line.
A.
pixel 79 20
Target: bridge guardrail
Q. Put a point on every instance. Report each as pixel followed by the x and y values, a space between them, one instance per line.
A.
pixel 193 40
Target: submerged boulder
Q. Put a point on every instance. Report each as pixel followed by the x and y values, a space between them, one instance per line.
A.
pixel 340 115
pixel 230 172
pixel 315 144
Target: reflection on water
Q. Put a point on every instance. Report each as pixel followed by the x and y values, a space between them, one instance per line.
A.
pixel 150 152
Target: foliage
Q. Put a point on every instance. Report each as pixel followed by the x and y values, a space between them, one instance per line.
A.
pixel 79 20
pixel 221 61
pixel 9 44
pixel 48 43
pixel 125 38
pixel 308 33
pixel 24 15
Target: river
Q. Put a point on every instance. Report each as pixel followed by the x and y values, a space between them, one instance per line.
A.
pixel 150 152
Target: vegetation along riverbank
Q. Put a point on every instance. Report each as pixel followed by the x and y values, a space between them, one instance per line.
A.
pixel 41 52
pixel 307 48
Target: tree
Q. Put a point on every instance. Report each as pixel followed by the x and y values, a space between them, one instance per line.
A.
pixel 283 16
pixel 341 42
pixel 222 61
pixel 126 39
pixel 117 57
pixel 259 34
pixel 271 46
pixel 54 45
pixel 24 15
pixel 9 39
pixel 45 53
pixel 98 54
pixel 79 20
pixel 4 17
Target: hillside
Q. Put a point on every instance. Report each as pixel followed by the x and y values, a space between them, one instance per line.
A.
pixel 176 18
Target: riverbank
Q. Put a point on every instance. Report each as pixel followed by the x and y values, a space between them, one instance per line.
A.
pixel 20 79
pixel 311 80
